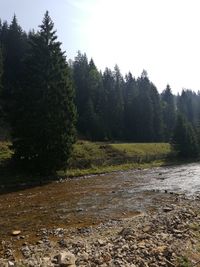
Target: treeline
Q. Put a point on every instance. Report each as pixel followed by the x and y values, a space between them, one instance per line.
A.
pixel 113 107
pixel 42 97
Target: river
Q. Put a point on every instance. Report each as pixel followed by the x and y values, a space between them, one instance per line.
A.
pixel 86 201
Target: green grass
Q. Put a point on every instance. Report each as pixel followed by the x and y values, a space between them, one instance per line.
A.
pixel 110 168
pixel 5 151
pixel 143 149
pixel 144 152
pixel 87 154
pixel 95 158
pixel 184 262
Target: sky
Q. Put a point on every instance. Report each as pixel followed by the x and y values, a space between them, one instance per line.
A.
pixel 160 36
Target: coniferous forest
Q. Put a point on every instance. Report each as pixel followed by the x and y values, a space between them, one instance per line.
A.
pixel 48 101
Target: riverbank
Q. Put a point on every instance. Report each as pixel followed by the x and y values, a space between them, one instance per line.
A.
pixel 142 218
pixel 167 237
pixel 90 158
pixel 94 158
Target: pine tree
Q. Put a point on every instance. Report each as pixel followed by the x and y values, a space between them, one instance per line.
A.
pixel 113 84
pixel 1 86
pixel 89 91
pixel 118 107
pixel 109 102
pixel 14 42
pixel 14 46
pixel 95 92
pixel 130 107
pixel 169 113
pixel 43 127
pixel 145 110
pixel 184 138
pixel 188 105
pixel 157 114
pixel 1 70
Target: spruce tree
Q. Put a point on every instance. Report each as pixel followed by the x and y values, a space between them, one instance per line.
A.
pixel 1 70
pixel 1 86
pixel 130 107
pixel 157 114
pixel 188 105
pixel 145 130
pixel 80 76
pixel 94 122
pixel 169 113
pixel 184 138
pixel 43 127
pixel 113 103
pixel 14 45
pixel 109 102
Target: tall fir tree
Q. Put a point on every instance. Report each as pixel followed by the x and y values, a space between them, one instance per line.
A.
pixel 113 83
pixel 43 126
pixel 109 102
pixel 14 46
pixel 118 107
pixel 95 93
pixel 1 71
pixel 1 85
pixel 80 77
pixel 145 110
pixel 184 138
pixel 130 107
pixel 188 105
pixel 157 114
pixel 169 112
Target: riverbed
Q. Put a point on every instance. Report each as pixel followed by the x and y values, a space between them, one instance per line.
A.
pixel 90 200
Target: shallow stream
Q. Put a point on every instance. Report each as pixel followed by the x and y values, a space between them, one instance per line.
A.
pixel 86 201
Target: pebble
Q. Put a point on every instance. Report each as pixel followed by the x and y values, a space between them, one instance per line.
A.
pixel 16 232
pixel 146 241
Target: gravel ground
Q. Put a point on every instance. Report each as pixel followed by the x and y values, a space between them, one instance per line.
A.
pixel 168 237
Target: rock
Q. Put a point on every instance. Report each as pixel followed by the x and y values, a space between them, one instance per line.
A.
pixel 3 263
pixel 101 242
pixel 141 245
pixel 16 232
pixel 85 256
pixel 66 259
pixel 106 257
pixel 161 249
pixel 127 232
pixel 167 209
pixel 79 209
pixel 146 229
pixel 46 262
pixel 10 264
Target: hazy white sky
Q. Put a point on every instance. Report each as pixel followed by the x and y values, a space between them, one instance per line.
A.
pixel 161 36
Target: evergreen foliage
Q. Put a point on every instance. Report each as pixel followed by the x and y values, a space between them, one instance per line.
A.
pixel 37 95
pixel 184 138
pixel 1 71
pixel 169 113
pixel 14 47
pixel 130 107
pixel 43 125
pixel 188 105
pixel 1 86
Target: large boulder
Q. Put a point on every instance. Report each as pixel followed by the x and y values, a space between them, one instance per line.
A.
pixel 66 259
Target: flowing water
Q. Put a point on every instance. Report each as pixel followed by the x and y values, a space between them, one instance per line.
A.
pixel 86 201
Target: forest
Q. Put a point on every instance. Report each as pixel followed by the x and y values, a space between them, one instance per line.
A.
pixel 48 101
